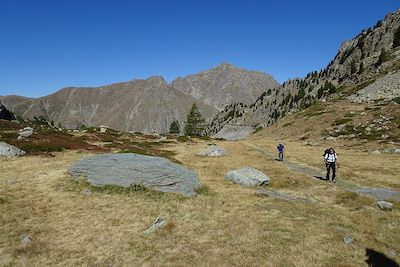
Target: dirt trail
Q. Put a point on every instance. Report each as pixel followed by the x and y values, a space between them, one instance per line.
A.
pixel 379 193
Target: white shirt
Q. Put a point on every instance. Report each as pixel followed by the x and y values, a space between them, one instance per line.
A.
pixel 331 157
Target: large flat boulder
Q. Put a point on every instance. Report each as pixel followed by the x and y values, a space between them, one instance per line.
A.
pixel 7 150
pixel 132 169
pixel 248 177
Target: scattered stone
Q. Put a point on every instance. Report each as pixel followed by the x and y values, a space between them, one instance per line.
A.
pixel 395 150
pixel 7 150
pixel 25 239
pixel 376 152
pixel 129 169
pixel 330 138
pixel 86 192
pixel 24 133
pixel 384 205
pixel 213 151
pixel 158 224
pixel 248 177
pixel 103 128
pixel 347 240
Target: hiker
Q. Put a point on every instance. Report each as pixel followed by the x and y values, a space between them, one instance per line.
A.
pixel 280 149
pixel 330 162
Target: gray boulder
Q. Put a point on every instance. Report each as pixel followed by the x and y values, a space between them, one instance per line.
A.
pixel 248 177
pixel 7 150
pixel 24 133
pixel 384 205
pixel 132 169
pixel 213 151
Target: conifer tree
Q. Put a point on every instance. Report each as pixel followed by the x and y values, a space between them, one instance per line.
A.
pixel 174 128
pixel 195 122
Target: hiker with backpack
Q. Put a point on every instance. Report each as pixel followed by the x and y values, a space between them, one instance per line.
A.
pixel 330 158
pixel 280 149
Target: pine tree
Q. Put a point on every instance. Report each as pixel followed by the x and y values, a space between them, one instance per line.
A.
pixel 396 40
pixel 195 123
pixel 174 128
pixel 353 67
pixel 361 69
pixel 384 56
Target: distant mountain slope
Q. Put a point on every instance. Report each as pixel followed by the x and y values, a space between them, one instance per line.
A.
pixel 145 105
pixel 225 84
pixel 139 105
pixel 359 62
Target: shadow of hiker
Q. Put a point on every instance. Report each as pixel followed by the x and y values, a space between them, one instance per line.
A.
pixel 377 259
pixel 320 177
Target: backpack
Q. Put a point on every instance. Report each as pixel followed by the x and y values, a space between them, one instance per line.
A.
pixel 326 151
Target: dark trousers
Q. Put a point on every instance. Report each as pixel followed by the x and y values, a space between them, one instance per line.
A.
pixel 280 156
pixel 330 166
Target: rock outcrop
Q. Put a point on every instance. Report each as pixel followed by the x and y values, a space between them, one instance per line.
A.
pixel 137 170
pixel 385 88
pixel 5 114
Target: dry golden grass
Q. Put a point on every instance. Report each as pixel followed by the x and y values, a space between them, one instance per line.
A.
pixel 225 225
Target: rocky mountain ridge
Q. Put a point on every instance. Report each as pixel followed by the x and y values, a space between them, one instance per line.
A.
pixel 372 54
pixel 149 105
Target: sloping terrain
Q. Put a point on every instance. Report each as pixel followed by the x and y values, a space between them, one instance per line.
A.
pixel 225 224
pixel 366 59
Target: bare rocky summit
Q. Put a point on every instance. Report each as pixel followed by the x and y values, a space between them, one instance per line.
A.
pixel 225 84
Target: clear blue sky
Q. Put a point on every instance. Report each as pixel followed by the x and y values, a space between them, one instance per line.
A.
pixel 47 45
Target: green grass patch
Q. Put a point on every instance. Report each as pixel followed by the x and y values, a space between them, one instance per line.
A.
pixel 34 148
pixel 353 200
pixel 342 121
pixel 288 124
pixel 205 191
pixel 350 114
pixel 259 128
pixel 396 100
pixel 183 138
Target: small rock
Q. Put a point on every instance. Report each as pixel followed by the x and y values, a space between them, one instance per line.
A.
pixel 25 239
pixel 330 138
pixel 376 152
pixel 86 192
pixel 158 224
pixel 103 128
pixel 384 205
pixel 213 151
pixel 395 150
pixel 248 177
pixel 347 240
